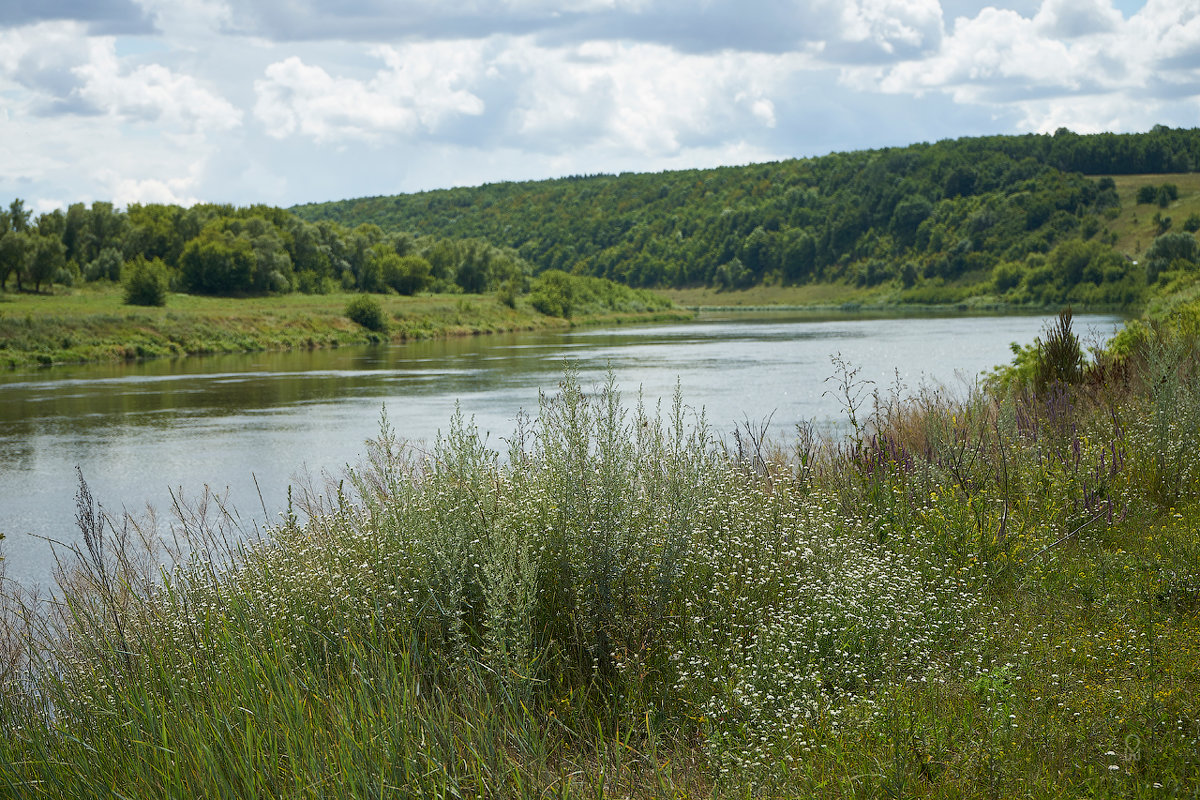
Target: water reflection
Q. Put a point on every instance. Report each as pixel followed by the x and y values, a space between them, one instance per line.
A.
pixel 138 430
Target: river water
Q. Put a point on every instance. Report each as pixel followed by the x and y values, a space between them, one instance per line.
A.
pixel 254 424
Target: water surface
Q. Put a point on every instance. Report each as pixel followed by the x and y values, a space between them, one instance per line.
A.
pixel 138 431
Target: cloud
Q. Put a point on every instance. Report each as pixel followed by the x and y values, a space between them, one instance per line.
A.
pixel 42 58
pixel 1001 56
pixel 648 99
pixel 1169 33
pixel 100 16
pixel 61 70
pixel 1073 63
pixel 153 93
pixel 1070 19
pixel 223 99
pixel 175 191
pixel 98 158
pixel 886 30
pixel 420 88
pixel 186 21
pixel 644 98
pixel 992 53
pixel 851 29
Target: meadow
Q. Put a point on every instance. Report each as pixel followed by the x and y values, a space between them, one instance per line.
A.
pixel 993 595
pixel 93 324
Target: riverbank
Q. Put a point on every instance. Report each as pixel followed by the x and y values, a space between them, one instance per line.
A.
pixel 93 325
pixel 840 297
pixel 990 596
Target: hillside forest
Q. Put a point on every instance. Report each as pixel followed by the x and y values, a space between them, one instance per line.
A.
pixel 1022 220
pixel 1014 217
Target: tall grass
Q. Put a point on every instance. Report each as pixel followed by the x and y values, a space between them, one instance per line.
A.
pixel 978 596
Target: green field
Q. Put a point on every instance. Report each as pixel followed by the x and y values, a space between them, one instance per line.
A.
pixel 1135 226
pixel 92 323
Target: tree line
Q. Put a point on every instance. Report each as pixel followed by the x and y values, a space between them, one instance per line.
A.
pixel 223 250
pixel 936 220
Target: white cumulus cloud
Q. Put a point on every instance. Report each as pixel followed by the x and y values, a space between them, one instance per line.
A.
pixel 152 92
pixel 1069 48
pixel 888 28
pixel 420 88
pixel 1069 19
pixel 56 68
pixel 176 191
pixel 646 98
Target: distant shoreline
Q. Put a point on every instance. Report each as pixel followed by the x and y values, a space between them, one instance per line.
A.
pixel 93 326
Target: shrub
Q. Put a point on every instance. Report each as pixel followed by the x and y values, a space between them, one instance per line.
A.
pixel 1007 276
pixel 146 283
pixel 105 266
pixel 1059 355
pixel 507 293
pixel 553 293
pixel 406 274
pixel 366 311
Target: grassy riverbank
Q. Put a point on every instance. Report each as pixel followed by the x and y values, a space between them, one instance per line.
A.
pixel 93 324
pixel 845 297
pixel 989 596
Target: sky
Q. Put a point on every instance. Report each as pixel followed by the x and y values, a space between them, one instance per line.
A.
pixel 291 101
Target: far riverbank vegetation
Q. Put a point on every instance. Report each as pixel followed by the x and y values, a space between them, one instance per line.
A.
pixel 1100 222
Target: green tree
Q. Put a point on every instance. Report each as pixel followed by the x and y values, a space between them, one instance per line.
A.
pixel 1168 250
pixel 107 227
pixel 218 262
pixel 908 216
pixel 1006 276
pixel 146 283
pixel 406 274
pixel 474 271
pixel 75 235
pixel 14 248
pixel 46 257
pixel 107 265
pixel 18 215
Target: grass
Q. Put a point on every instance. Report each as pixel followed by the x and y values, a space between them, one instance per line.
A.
pixel 818 294
pixel 1135 227
pixel 971 293
pixel 93 324
pixel 989 596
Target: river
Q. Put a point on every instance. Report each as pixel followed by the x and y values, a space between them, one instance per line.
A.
pixel 234 423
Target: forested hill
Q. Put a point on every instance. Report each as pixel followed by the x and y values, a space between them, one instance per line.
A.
pixel 932 220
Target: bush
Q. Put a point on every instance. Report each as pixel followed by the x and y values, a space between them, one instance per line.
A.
pixel 507 293
pixel 553 294
pixel 146 283
pixel 105 266
pixel 406 274
pixel 366 311
pixel 1007 276
pixel 1059 356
